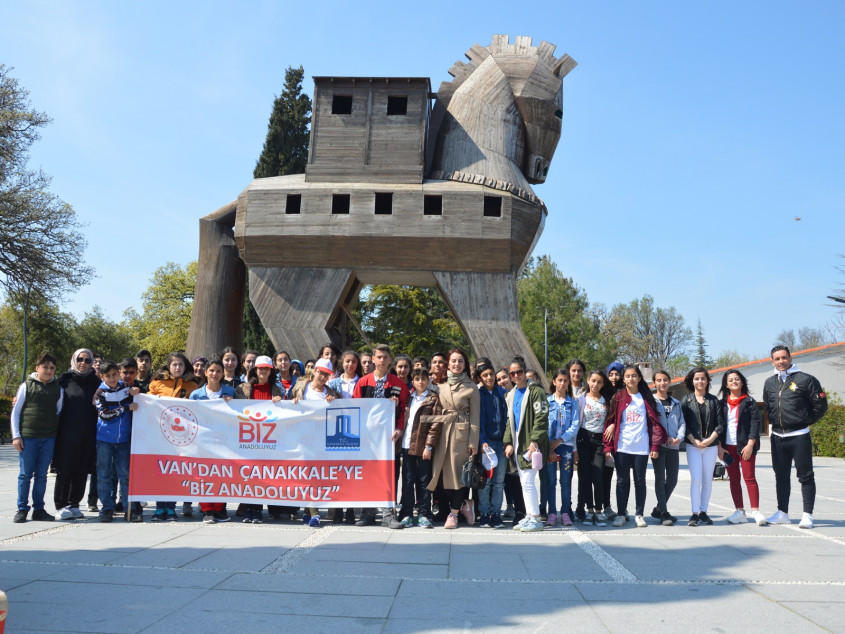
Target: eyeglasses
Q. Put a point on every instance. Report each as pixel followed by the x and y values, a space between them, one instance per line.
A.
pixel 83 360
pixel 517 373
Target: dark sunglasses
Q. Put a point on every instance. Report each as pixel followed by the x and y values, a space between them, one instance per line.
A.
pixel 83 360
pixel 517 373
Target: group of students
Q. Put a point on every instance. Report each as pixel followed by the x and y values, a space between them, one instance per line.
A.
pixel 448 412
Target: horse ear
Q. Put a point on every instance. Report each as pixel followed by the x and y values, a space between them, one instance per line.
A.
pixel 563 66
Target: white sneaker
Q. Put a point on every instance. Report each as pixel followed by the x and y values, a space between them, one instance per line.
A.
pixel 518 525
pixel 779 518
pixel 758 517
pixel 77 514
pixel 65 514
pixel 640 520
pixel 620 520
pixel 806 521
pixel 533 525
pixel 737 517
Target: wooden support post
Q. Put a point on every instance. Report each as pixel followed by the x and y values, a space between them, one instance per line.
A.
pixel 486 308
pixel 217 315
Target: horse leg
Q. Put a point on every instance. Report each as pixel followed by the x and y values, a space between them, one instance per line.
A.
pixel 487 310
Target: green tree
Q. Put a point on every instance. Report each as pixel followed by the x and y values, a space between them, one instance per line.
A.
pixel 286 146
pixel 98 333
pixel 163 325
pixel 40 236
pixel 285 152
pixel 701 357
pixel 645 332
pixel 413 320
pixel 728 358
pixel 573 329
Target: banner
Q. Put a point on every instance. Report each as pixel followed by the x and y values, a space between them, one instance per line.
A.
pixel 312 453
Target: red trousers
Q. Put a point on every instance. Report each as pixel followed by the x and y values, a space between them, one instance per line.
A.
pixel 747 475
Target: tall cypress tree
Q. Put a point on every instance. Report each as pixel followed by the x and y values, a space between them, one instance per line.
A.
pixel 285 152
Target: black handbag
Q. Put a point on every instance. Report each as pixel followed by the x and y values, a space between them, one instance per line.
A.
pixel 473 475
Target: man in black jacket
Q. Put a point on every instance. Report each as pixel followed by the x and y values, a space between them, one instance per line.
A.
pixel 794 400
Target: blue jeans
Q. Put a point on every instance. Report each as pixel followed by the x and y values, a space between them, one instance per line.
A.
pixel 34 461
pixel 490 497
pixel 112 457
pixel 551 469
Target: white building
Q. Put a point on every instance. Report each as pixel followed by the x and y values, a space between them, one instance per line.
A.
pixel 826 363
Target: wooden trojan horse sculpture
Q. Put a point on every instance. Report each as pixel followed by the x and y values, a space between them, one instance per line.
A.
pixel 394 193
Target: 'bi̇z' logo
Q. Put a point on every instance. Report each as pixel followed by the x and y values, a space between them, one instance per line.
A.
pixel 179 426
pixel 256 426
pixel 343 429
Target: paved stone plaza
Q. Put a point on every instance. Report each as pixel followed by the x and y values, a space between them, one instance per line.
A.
pixel 84 576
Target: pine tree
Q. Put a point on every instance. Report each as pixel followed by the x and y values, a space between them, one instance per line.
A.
pixel 701 358
pixel 285 152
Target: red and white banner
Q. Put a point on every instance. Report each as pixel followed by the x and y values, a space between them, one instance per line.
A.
pixel 311 453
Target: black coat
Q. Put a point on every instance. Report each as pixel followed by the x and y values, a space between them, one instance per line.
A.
pixel 76 440
pixel 748 423
pixel 714 420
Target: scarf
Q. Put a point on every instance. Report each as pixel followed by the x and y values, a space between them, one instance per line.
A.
pixel 783 376
pixel 733 403
pixel 75 367
pixel 454 379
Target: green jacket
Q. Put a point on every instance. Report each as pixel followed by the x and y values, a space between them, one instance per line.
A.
pixel 533 424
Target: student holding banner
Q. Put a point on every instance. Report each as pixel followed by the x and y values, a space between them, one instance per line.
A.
pixel 380 384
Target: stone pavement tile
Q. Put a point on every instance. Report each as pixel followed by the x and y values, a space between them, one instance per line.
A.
pixel 241 559
pixel 317 605
pixel 827 614
pixel 646 593
pixel 558 616
pixel 65 541
pixel 231 533
pixel 27 571
pixel 163 555
pixel 716 612
pixel 400 554
pixel 492 591
pixel 326 583
pixel 692 572
pixel 797 592
pixel 355 568
pixel 136 577
pixel 821 567
pixel 360 539
pixel 575 565
pixel 8 583
pixel 192 620
pixel 522 610
pixel 10 530
pixel 60 555
pixel 504 565
pixel 63 606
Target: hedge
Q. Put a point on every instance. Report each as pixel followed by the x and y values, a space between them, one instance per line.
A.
pixel 825 433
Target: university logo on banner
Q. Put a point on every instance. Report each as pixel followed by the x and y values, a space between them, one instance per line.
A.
pixel 343 429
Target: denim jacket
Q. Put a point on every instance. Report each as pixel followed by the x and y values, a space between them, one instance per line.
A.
pixel 674 423
pixel 564 420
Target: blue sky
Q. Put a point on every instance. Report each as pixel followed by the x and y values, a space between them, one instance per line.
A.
pixel 693 134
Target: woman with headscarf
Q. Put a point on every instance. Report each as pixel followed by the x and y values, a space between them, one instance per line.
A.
pixel 75 455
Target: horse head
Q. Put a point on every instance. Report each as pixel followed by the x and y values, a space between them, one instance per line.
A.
pixel 500 119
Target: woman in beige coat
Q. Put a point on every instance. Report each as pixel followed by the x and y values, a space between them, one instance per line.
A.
pixel 459 436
